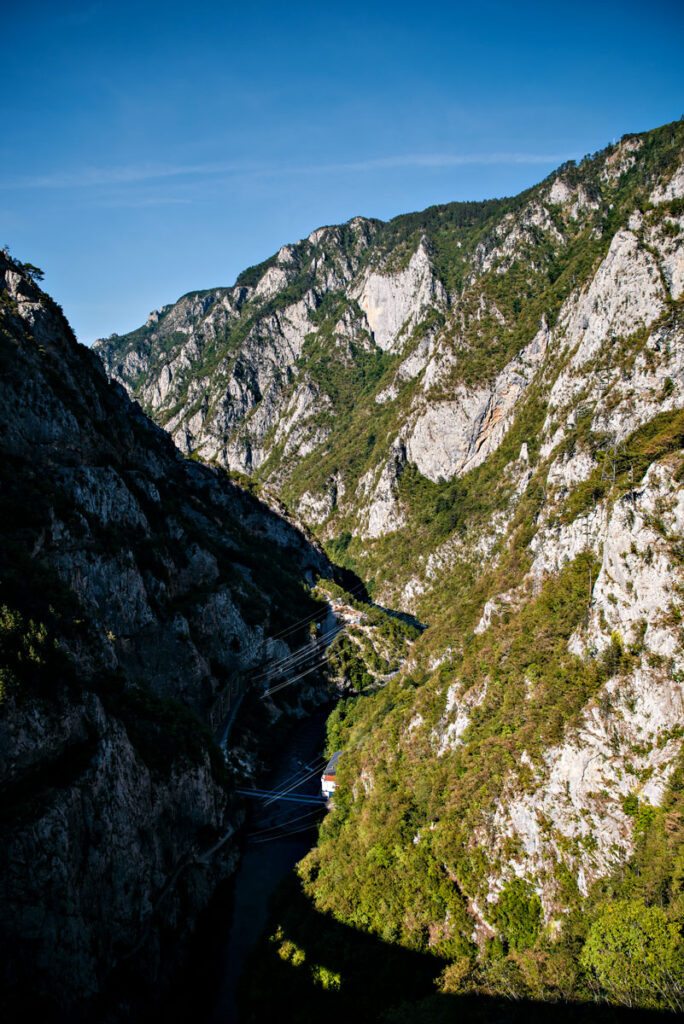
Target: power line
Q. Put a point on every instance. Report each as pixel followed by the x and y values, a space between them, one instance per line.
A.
pixel 355 590
pixel 293 832
pixel 297 798
pixel 285 824
pixel 294 785
pixel 299 654
pixel 289 682
pixel 302 775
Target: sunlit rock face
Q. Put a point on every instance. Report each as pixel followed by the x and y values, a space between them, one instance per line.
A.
pixel 414 319
pixel 395 303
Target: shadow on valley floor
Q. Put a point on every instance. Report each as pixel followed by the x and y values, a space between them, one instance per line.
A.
pixel 405 617
pixel 312 968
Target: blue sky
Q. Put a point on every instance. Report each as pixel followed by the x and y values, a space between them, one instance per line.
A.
pixel 152 148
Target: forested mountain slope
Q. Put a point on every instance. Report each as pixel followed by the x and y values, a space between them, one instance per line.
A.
pixel 481 409
pixel 135 589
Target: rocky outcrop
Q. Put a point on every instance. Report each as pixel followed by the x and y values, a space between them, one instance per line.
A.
pixel 100 856
pixel 574 813
pixel 636 594
pixel 625 294
pixel 450 438
pixel 380 492
pixel 394 303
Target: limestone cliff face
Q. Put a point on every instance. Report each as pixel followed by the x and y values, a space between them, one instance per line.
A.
pixel 425 323
pixel 451 437
pixel 135 589
pixel 396 303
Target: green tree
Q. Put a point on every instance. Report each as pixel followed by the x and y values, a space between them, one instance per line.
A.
pixel 519 914
pixel 634 953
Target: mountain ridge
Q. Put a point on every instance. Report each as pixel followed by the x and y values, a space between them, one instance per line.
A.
pixel 484 422
pixel 295 378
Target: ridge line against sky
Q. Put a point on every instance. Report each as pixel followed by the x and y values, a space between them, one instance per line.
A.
pixel 153 149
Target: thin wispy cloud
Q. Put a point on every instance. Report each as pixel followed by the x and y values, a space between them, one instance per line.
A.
pixel 440 160
pixel 141 202
pixel 93 177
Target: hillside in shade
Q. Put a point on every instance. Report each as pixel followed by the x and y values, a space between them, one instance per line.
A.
pixel 136 590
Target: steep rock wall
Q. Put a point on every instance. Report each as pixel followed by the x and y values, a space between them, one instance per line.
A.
pixel 135 589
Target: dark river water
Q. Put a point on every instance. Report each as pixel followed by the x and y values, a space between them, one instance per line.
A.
pixel 270 853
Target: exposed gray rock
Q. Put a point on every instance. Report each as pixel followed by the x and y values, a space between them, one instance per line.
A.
pixel 380 492
pixel 394 303
pixel 450 438
pixel 638 582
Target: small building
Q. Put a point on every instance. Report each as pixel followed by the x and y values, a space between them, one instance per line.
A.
pixel 328 776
